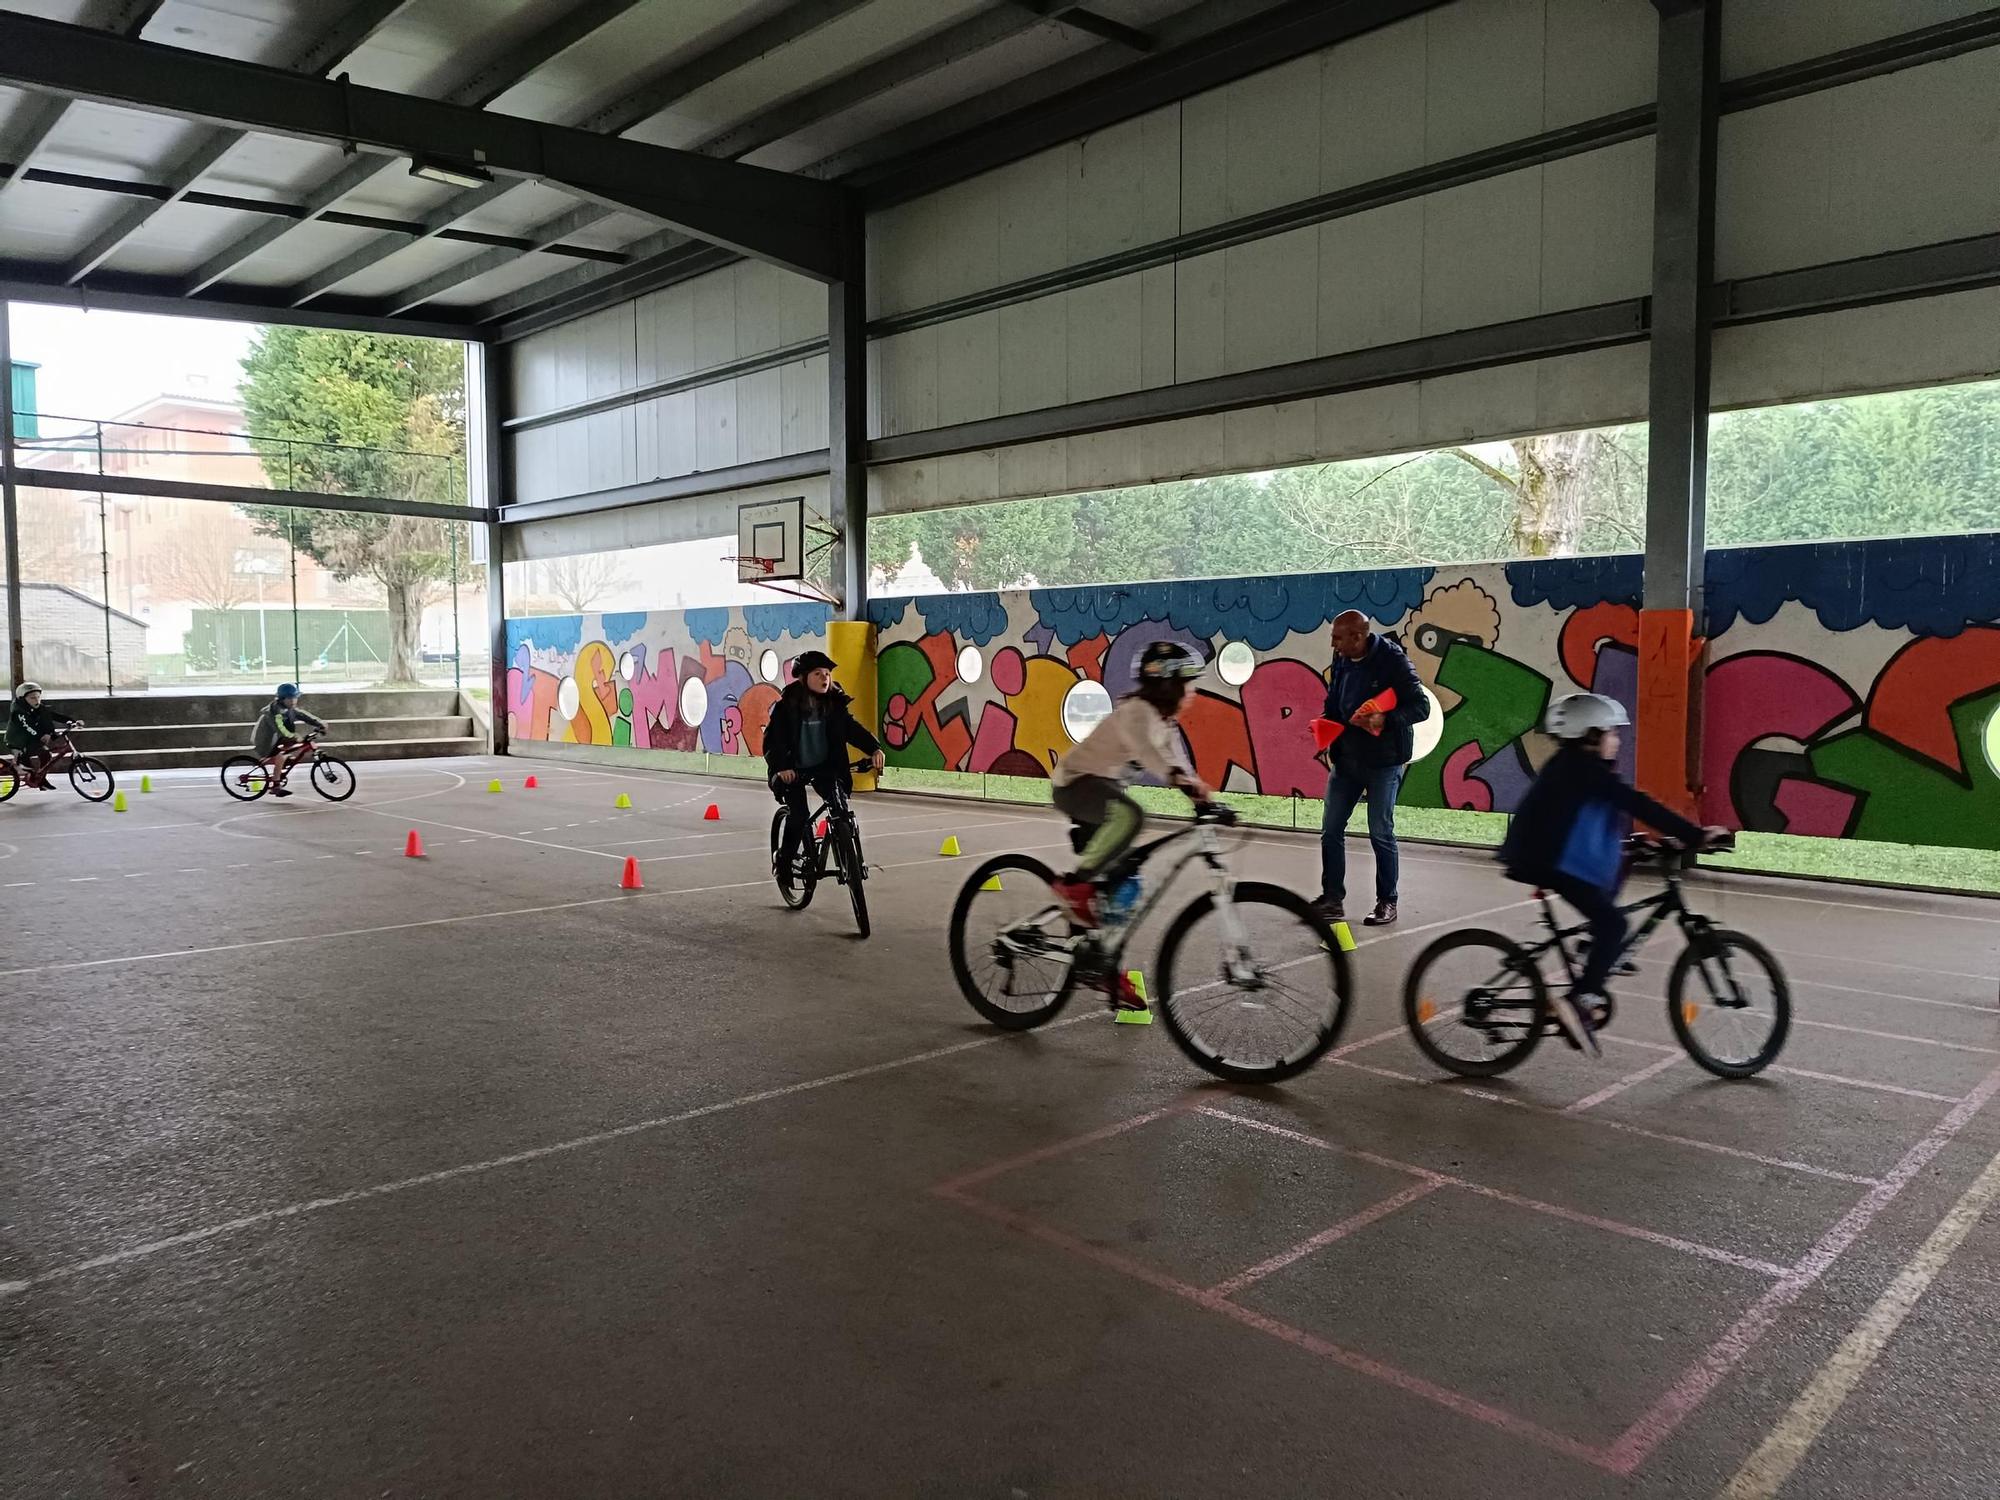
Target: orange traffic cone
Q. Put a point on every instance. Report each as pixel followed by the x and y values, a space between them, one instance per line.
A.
pixel 713 815
pixel 413 847
pixel 531 783
pixel 630 880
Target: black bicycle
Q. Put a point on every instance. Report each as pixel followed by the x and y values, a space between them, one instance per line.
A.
pixel 829 844
pixel 1477 1004
pixel 1253 985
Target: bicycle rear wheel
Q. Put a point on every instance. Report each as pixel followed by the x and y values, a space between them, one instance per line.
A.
pixel 847 854
pixel 1475 1003
pixel 1011 945
pixel 1729 1004
pixel 10 779
pixel 331 778
pixel 91 778
pixel 245 777
pixel 798 895
pixel 1263 1012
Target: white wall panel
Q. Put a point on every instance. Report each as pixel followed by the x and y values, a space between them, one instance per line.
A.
pixel 1034 354
pixel 649 525
pixel 1104 333
pixel 1371 112
pixel 1371 278
pixel 1620 39
pixel 1270 296
pixel 1597 226
pixel 1905 159
pixel 1925 342
pixel 1484 75
pixel 1761 34
pixel 1483 252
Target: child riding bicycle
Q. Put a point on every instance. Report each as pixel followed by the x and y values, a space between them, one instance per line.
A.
pixel 1569 837
pixel 805 747
pixel 1138 737
pixel 283 729
pixel 32 728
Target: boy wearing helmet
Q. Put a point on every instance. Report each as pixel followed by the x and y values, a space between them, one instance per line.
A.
pixel 1138 737
pixel 1569 837
pixel 806 744
pixel 284 723
pixel 31 731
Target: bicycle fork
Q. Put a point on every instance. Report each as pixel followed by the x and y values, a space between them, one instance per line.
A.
pixel 1236 964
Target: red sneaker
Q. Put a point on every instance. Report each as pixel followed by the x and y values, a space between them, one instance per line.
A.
pixel 1079 899
pixel 1123 994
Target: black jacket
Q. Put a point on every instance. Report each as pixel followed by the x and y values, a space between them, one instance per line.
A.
pixel 781 736
pixel 1384 666
pixel 1574 779
pixel 26 726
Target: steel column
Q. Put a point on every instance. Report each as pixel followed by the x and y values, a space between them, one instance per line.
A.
pixel 847 421
pixel 1669 745
pixel 10 520
pixel 486 368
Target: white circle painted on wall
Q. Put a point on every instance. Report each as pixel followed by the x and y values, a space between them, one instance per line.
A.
pixel 694 702
pixel 767 666
pixel 569 698
pixel 628 666
pixel 1428 733
pixel 1085 706
pixel 1993 741
pixel 1235 663
pixel 971 666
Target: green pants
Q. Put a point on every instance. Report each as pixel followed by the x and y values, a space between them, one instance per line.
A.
pixel 1114 819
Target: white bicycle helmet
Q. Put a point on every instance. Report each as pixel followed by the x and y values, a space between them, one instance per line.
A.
pixel 1580 714
pixel 26 688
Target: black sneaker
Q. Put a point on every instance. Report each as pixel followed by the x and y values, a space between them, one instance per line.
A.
pixel 279 791
pixel 1329 910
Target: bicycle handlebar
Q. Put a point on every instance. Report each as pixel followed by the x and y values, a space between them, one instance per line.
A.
pixel 1647 846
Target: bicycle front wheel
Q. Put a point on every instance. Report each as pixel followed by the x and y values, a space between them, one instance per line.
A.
pixel 1729 1003
pixel 10 779
pixel 91 778
pixel 1475 1003
pixel 331 778
pixel 847 853
pixel 798 895
pixel 245 777
pixel 1011 945
pixel 1260 1003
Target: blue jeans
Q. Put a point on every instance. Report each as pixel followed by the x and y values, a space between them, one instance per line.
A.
pixel 1343 791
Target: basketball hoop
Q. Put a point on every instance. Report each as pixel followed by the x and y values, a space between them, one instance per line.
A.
pixel 752 569
pixel 779 549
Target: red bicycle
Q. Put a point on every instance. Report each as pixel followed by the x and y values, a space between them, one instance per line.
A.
pixel 91 778
pixel 248 777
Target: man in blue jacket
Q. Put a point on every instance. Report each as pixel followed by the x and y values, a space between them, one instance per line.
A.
pixel 1368 759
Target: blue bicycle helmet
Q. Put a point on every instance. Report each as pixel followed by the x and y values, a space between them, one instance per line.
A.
pixel 288 690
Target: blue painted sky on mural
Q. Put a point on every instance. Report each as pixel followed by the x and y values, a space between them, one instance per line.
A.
pixel 770 622
pixel 1934 585
pixel 973 617
pixel 1261 612
pixel 562 634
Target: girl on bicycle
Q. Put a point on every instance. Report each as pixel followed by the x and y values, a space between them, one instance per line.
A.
pixel 1569 837
pixel 282 722
pixel 31 731
pixel 1138 737
pixel 806 743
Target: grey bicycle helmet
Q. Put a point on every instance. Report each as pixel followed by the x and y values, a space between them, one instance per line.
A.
pixel 1581 714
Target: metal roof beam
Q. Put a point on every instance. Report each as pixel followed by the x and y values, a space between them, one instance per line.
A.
pixel 771 215
pixel 1089 22
pixel 542 238
pixel 631 108
pixel 127 292
pixel 124 17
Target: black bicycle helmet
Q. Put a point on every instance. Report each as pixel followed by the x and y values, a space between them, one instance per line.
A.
pixel 1168 661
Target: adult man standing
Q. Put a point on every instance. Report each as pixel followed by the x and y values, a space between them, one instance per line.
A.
pixel 1368 759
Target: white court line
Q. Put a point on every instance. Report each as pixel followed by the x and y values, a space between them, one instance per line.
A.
pixel 535 1153
pixel 1880 963
pixel 1848 989
pixel 1629 1081
pixel 1766 1470
pixel 1896 1036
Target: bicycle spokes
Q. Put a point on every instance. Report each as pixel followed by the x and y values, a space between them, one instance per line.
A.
pixel 1251 985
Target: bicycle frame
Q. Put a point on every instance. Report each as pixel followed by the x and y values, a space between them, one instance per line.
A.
pixel 1657 908
pixel 1205 850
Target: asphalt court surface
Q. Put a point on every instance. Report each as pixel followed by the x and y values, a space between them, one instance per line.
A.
pixel 328 1171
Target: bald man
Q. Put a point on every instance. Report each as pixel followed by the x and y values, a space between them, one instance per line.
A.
pixel 1368 760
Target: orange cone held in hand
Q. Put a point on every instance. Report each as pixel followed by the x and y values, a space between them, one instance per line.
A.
pixel 630 880
pixel 1325 732
pixel 713 815
pixel 1381 703
pixel 413 847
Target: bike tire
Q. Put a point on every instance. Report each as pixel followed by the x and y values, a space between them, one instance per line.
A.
pixel 327 771
pixel 245 777
pixel 1033 876
pixel 10 779
pixel 1419 1005
pixel 847 853
pixel 799 897
pixel 91 779
pixel 1718 946
pixel 1321 1029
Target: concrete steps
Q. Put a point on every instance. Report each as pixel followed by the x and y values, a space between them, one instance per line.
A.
pixel 169 731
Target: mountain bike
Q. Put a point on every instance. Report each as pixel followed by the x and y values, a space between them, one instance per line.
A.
pixel 1252 984
pixel 837 852
pixel 1477 1004
pixel 248 777
pixel 91 779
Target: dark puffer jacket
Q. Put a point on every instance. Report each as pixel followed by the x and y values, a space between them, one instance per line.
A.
pixel 781 736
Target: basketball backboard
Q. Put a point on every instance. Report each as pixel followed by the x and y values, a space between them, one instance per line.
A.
pixel 771 541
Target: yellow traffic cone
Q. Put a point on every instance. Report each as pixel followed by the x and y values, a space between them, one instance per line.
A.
pixel 992 883
pixel 950 846
pixel 1135 1017
pixel 1344 935
pixel 118 802
pixel 145 783
pixel 493 785
pixel 623 801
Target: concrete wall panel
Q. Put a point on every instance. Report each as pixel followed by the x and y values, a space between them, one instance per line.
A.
pixel 1761 34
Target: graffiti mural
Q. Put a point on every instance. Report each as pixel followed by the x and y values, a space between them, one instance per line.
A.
pixel 1853 689
pixel 698 679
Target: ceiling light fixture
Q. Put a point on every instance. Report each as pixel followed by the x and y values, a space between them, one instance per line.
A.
pixel 450 174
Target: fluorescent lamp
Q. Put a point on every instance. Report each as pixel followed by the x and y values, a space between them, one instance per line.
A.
pixel 450 176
